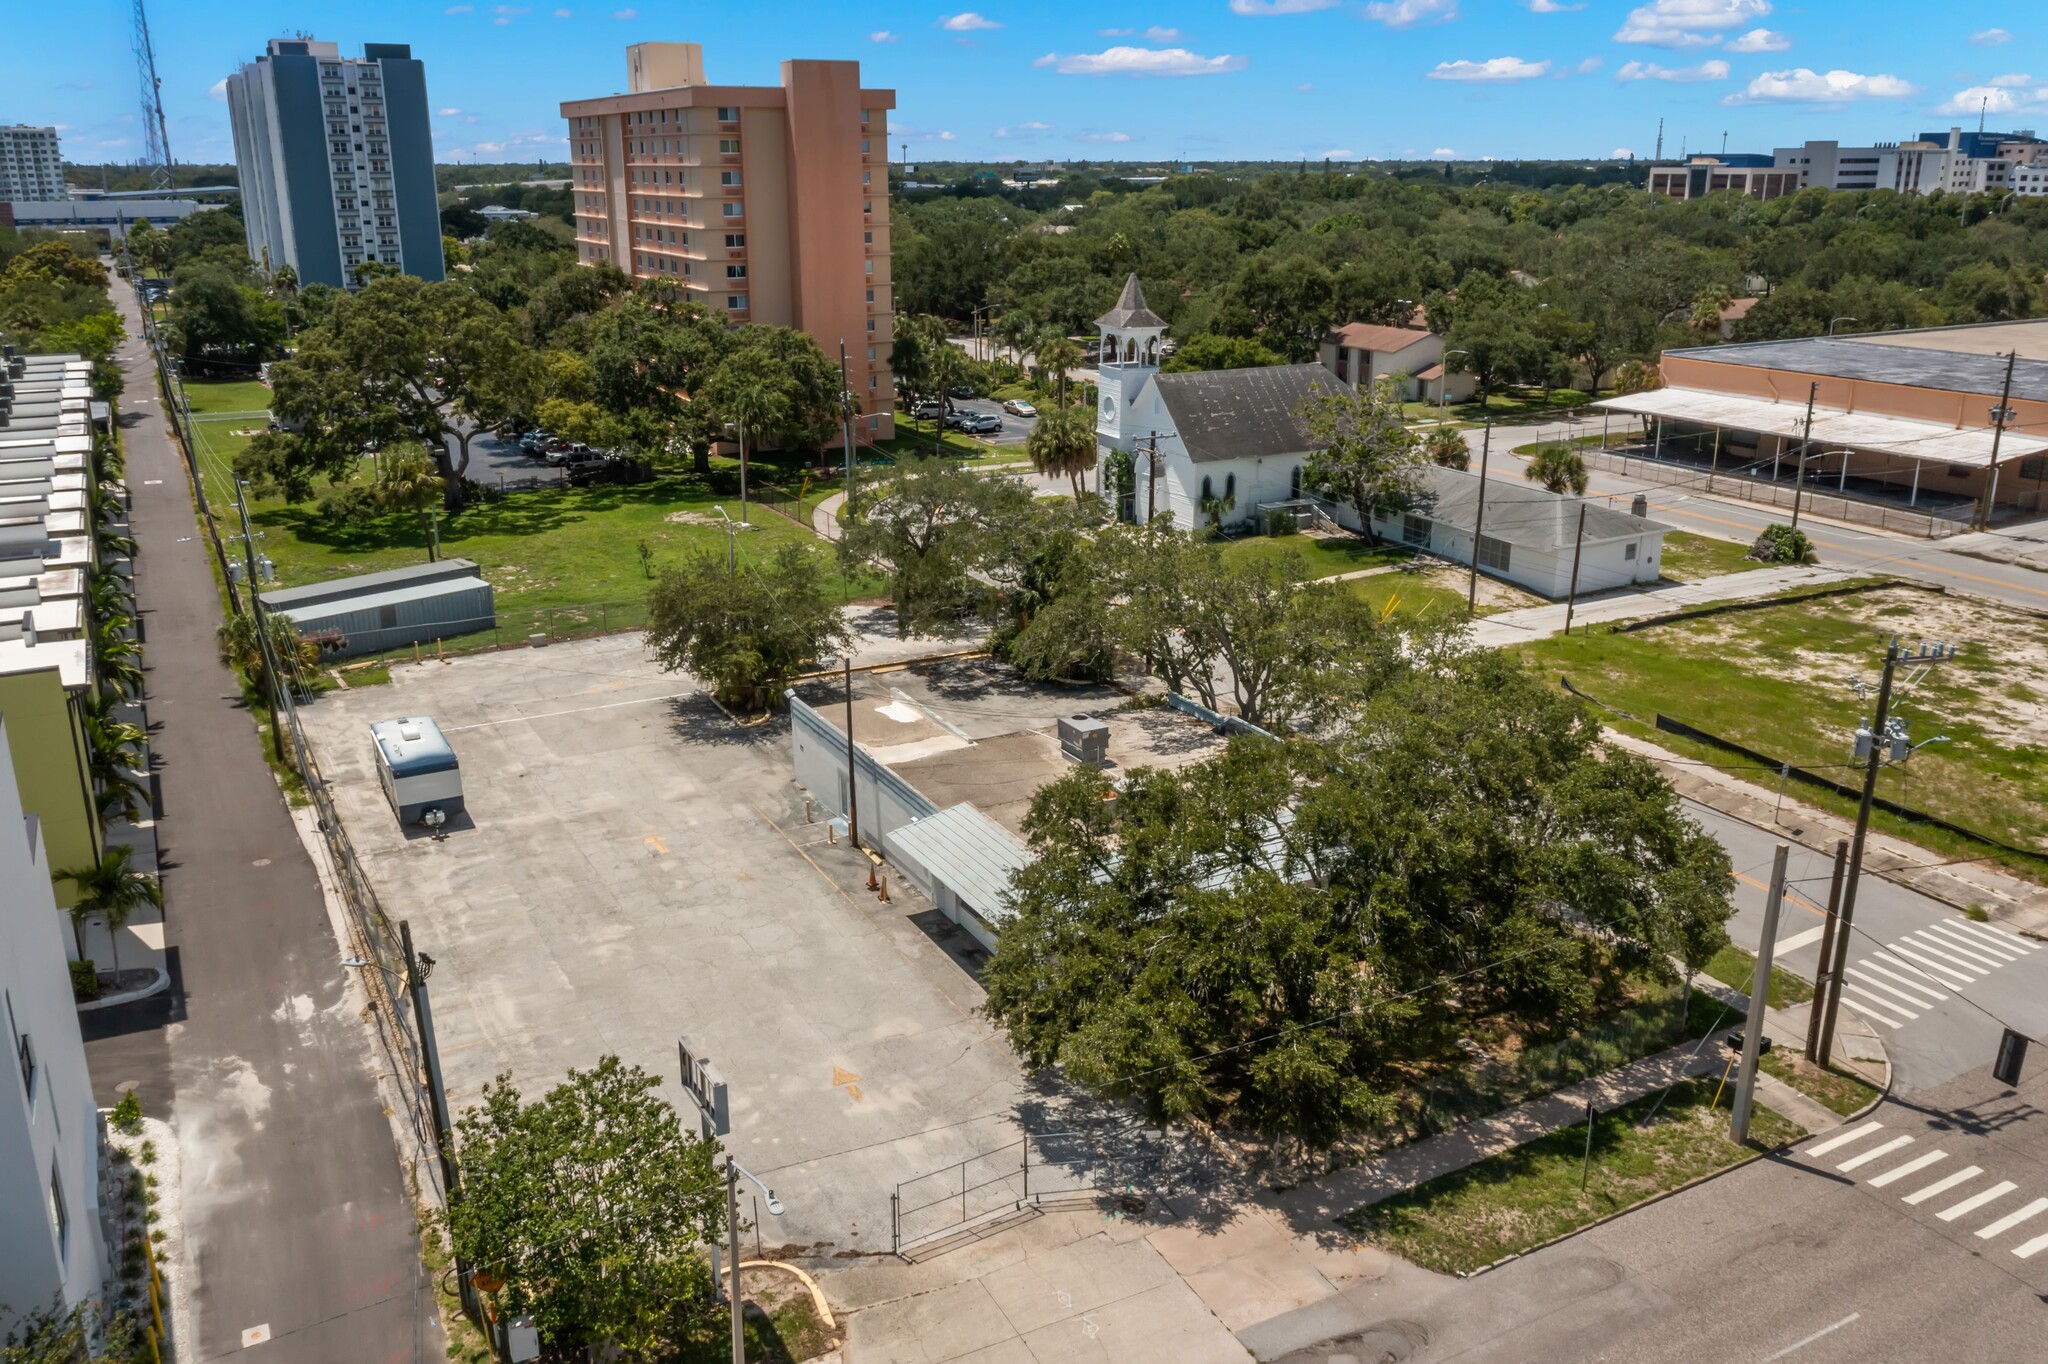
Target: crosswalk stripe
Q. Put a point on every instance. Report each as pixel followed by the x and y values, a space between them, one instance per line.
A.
pixel 1977 1200
pixel 2031 1248
pixel 1943 1185
pixel 1950 975
pixel 1873 983
pixel 1915 972
pixel 1914 982
pixel 1977 942
pixel 1969 954
pixel 2013 1219
pixel 1878 1009
pixel 1935 947
pixel 2012 940
pixel 1843 1139
pixel 1874 1153
pixel 1799 940
pixel 1899 1172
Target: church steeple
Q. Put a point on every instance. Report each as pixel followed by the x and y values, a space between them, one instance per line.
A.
pixel 1131 330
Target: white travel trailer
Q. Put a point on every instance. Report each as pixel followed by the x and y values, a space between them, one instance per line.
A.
pixel 418 769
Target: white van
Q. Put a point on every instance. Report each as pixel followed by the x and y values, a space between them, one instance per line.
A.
pixel 417 767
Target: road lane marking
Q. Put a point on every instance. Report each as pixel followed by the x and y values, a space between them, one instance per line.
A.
pixel 1791 898
pixel 1843 1139
pixel 2012 940
pixel 1998 954
pixel 2013 1219
pixel 1950 975
pixel 1874 1153
pixel 1977 1200
pixel 1823 1331
pixel 1968 956
pixel 1942 1186
pixel 2031 1248
pixel 1942 951
pixel 1799 940
pixel 1863 1004
pixel 1917 981
pixel 1899 1172
pixel 1872 983
pixel 1915 972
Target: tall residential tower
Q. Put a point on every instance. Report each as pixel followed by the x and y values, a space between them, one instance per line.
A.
pixel 30 167
pixel 767 203
pixel 336 160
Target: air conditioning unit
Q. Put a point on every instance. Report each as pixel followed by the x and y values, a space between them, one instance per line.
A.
pixel 1084 739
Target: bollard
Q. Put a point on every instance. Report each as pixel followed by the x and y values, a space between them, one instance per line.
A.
pixel 832 834
pixel 415 651
pixel 807 810
pixel 437 651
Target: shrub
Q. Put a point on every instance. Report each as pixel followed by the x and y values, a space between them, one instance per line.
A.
pixel 1280 521
pixel 1781 544
pixel 85 980
pixel 128 1114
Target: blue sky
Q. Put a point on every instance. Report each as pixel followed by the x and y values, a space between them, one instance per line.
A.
pixel 1221 79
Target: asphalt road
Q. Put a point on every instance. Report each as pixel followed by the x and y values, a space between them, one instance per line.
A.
pixel 1938 988
pixel 295 1206
pixel 1945 562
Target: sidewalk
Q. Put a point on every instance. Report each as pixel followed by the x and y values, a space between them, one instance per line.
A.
pixel 1541 622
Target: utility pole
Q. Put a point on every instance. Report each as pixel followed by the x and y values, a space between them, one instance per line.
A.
pixel 1799 477
pixel 264 650
pixel 1151 476
pixel 846 413
pixel 732 1230
pixel 852 776
pixel 1578 547
pixel 1879 739
pixel 1824 978
pixel 1479 516
pixel 2000 415
pixel 1759 996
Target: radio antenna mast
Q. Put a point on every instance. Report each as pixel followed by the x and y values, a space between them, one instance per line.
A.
pixel 163 175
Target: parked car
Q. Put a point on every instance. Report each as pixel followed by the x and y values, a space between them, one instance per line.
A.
pixel 1017 407
pixel 533 440
pixel 962 391
pixel 983 423
pixel 926 411
pixel 573 454
pixel 546 450
pixel 959 421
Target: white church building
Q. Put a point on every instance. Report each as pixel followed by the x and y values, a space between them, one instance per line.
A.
pixel 1207 447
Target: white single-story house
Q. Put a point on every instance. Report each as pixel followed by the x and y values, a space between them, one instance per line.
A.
pixel 1360 353
pixel 1528 534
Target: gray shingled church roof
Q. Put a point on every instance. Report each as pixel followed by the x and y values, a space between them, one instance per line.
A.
pixel 1245 413
pixel 1130 309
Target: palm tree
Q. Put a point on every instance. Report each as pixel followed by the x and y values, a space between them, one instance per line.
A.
pixel 114 890
pixel 110 542
pixel 1446 446
pixel 1014 330
pixel 118 662
pixel 407 481
pixel 1557 467
pixel 112 753
pixel 1707 306
pixel 1056 353
pixel 1063 442
pixel 107 594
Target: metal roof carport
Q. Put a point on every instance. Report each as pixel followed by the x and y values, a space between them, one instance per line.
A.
pixel 1968 446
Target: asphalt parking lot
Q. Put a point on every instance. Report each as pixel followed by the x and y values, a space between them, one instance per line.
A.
pixel 633 866
pixel 1016 430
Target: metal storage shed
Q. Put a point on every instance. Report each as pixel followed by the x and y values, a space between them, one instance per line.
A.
pixel 376 611
pixel 964 860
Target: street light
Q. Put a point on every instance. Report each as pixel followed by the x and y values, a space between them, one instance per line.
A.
pixel 733 1171
pixel 741 428
pixel 974 320
pixel 1833 320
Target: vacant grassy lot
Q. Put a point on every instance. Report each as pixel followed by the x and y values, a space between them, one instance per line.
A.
pixel 1777 680
pixel 1689 558
pixel 1321 556
pixel 547 548
pixel 1736 969
pixel 1524 1197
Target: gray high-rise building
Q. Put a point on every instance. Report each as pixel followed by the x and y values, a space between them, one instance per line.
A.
pixel 336 160
pixel 30 166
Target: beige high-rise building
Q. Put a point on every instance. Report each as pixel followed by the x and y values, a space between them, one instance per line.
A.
pixel 768 203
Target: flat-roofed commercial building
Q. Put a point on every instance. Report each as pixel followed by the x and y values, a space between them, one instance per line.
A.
pixel 335 157
pixel 767 204
pixel 1704 175
pixel 1902 419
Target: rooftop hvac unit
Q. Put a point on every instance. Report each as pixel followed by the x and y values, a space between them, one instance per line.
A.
pixel 1084 739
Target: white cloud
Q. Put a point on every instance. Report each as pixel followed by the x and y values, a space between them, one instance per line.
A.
pixel 1997 98
pixel 218 90
pixel 1158 34
pixel 1024 130
pixel 1687 23
pixel 1102 137
pixel 1280 6
pixel 883 35
pixel 1622 154
pixel 471 118
pixel 1990 37
pixel 460 9
pixel 967 21
pixel 1337 154
pixel 446 113
pixel 625 14
pixel 1803 86
pixel 507 13
pixel 563 13
pixel 1589 66
pixel 2016 78
pixel 1408 13
pixel 1492 69
pixel 1650 71
pixel 1443 151
pixel 1114 32
pixel 1140 61
pixel 1760 40
pixel 1551 7
pixel 1305 87
pixel 488 149
pixel 1036 127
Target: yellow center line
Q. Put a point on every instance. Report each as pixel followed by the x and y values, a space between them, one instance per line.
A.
pixel 1793 896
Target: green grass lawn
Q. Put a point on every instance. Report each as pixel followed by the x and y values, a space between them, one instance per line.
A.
pixel 914 437
pixel 1736 969
pixel 1321 556
pixel 549 548
pixel 1689 558
pixel 1524 1197
pixel 1776 680
pixel 1833 1087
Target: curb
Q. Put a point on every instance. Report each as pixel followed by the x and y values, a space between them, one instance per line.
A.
pixel 155 987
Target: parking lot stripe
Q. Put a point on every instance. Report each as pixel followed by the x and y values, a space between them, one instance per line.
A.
pixel 1842 1139
pixel 1916 981
pixel 2013 1219
pixel 1943 1185
pixel 1863 1004
pixel 2031 1248
pixel 1977 1200
pixel 1874 1153
pixel 1899 1172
